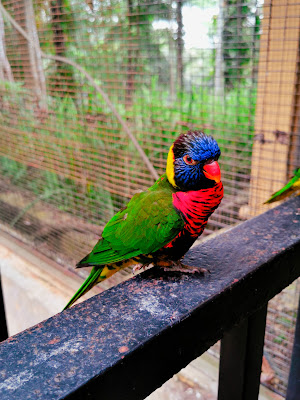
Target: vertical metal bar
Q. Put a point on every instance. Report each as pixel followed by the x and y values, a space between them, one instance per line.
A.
pixel 255 348
pixel 3 326
pixel 232 360
pixel 293 390
pixel 241 358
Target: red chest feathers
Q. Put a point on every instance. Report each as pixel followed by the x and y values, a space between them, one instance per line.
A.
pixel 197 206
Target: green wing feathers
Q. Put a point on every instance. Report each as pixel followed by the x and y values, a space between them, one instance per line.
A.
pixel 291 187
pixel 147 223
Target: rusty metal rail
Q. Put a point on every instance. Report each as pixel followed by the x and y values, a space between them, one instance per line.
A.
pixel 127 341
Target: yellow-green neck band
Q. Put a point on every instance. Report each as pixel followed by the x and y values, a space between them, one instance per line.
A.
pixel 170 167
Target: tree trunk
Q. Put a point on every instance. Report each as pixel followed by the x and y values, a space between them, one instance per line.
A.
pixel 172 70
pixel 35 58
pixel 65 77
pixel 219 62
pixel 5 70
pixel 179 41
pixel 130 59
pixel 30 57
pixel 56 7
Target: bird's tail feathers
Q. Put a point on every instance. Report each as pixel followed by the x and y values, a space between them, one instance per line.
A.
pixel 280 195
pixel 290 188
pixel 90 281
pixel 99 274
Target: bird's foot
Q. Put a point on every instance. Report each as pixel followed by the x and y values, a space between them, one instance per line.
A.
pixel 137 267
pixel 180 267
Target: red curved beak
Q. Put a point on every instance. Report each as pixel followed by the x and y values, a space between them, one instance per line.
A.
pixel 212 171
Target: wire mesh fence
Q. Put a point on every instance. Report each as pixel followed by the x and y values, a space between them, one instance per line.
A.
pixel 77 78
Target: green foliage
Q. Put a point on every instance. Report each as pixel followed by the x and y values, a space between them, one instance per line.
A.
pixel 134 62
pixel 241 26
pixel 151 114
pixel 280 338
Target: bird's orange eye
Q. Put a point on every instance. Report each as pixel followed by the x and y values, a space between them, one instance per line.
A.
pixel 189 161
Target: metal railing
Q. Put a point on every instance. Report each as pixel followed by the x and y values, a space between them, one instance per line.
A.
pixel 127 341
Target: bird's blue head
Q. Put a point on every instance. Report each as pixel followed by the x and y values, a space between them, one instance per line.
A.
pixel 192 162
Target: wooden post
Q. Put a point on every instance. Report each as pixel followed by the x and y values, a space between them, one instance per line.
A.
pixel 275 129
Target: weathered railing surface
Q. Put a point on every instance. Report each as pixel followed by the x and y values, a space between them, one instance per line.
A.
pixel 126 342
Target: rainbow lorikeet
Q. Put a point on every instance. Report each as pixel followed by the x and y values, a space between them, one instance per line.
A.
pixel 159 225
pixel 290 188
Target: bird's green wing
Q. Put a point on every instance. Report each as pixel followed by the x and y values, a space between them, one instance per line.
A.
pixel 147 223
pixel 291 187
